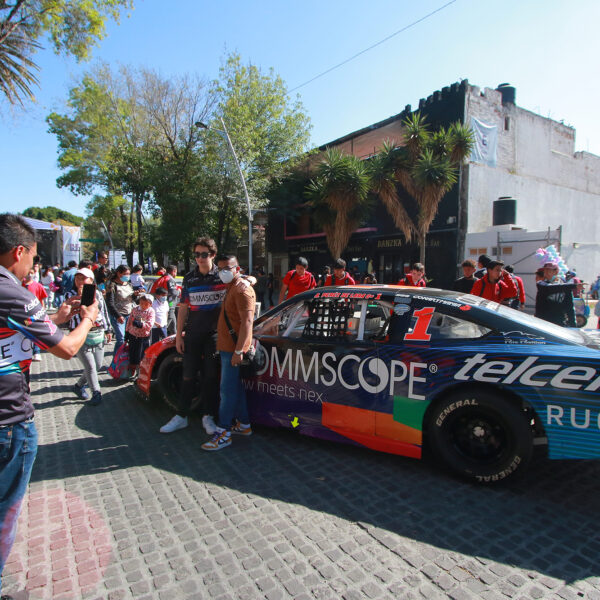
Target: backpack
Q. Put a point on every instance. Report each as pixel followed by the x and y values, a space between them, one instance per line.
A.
pixel 119 366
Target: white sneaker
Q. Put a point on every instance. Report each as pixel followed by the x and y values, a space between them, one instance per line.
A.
pixel 174 424
pixel 37 357
pixel 209 424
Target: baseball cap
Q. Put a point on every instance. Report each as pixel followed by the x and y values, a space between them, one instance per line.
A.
pixel 148 297
pixel 550 265
pixel 494 263
pixel 85 272
pixel 484 259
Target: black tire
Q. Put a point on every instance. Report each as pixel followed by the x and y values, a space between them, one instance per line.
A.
pixel 480 435
pixel 580 321
pixel 169 379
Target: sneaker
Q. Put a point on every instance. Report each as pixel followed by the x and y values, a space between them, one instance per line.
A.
pixel 174 424
pixel 96 398
pixel 36 357
pixel 209 425
pixel 221 439
pixel 241 428
pixel 80 391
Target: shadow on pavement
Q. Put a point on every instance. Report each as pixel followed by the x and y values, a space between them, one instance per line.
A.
pixel 548 521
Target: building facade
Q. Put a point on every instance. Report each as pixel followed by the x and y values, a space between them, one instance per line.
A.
pixel 519 155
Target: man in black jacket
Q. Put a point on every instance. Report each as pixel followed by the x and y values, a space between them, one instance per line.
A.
pixel 465 283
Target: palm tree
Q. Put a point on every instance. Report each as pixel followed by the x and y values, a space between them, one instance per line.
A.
pixel 16 68
pixel 426 167
pixel 339 195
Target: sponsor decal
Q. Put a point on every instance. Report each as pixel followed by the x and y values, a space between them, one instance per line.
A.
pixel 521 337
pixel 371 374
pixel 578 418
pixel 206 298
pixel 465 307
pixel 529 373
pixel 401 309
pixel 348 295
pixel 452 407
pixel 435 300
pixel 35 302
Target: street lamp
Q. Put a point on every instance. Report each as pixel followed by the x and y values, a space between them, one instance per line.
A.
pixel 237 164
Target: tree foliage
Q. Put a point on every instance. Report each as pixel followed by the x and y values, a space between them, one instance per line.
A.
pixel 51 214
pixel 132 133
pixel 73 27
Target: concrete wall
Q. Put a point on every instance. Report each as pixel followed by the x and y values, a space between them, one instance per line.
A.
pixel 536 164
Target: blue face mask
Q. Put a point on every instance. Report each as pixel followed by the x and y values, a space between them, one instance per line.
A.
pixel 162 298
pixel 125 278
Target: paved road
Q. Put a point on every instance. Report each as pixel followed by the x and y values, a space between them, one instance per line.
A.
pixel 116 510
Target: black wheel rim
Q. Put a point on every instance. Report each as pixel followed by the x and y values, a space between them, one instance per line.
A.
pixel 478 436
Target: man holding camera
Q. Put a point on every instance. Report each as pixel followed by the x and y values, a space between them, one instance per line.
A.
pixel 23 324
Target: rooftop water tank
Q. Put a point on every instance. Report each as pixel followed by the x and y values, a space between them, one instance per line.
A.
pixel 504 211
pixel 509 93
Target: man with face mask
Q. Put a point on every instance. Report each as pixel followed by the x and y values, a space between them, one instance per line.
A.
pixel 234 339
pixel 200 304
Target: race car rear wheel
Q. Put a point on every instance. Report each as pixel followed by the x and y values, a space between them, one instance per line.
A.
pixel 480 435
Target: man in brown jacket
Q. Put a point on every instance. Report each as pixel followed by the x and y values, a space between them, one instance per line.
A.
pixel 233 339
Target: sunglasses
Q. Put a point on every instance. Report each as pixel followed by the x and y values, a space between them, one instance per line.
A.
pixel 201 254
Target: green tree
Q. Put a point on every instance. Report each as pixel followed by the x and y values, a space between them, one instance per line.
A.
pixel 51 214
pixel 73 27
pixel 268 130
pixel 425 166
pixel 339 195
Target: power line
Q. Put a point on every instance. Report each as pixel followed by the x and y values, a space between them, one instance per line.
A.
pixel 373 46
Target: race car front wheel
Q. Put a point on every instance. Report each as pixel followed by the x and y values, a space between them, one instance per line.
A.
pixel 169 378
pixel 480 435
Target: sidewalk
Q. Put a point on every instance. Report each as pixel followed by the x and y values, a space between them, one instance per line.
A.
pixel 116 510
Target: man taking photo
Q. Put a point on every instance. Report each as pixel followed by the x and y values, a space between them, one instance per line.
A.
pixel 23 323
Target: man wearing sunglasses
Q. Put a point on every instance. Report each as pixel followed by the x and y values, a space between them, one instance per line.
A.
pixel 199 307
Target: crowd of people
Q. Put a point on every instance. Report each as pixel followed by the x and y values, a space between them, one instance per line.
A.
pixel 212 326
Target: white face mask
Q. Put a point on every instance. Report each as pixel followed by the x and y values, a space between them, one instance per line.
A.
pixel 226 276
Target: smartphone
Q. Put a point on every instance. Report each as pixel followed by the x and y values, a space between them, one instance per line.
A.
pixel 88 295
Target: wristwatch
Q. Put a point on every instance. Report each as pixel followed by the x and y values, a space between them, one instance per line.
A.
pixel 239 352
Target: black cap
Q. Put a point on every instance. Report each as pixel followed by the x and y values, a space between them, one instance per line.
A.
pixel 484 259
pixel 494 263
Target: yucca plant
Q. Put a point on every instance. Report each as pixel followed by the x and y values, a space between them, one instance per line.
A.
pixel 339 195
pixel 426 166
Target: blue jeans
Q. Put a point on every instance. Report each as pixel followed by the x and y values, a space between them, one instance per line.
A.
pixel 233 394
pixel 18 447
pixel 119 329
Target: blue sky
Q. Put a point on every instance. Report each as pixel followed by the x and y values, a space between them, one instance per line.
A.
pixel 547 49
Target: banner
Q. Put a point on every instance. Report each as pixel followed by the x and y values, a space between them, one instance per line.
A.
pixel 486 141
pixel 71 245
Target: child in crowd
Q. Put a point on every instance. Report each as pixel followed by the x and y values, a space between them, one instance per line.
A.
pixel 137 281
pixel 161 315
pixel 139 327
pixel 37 289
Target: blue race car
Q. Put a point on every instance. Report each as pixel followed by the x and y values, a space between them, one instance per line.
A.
pixel 401 369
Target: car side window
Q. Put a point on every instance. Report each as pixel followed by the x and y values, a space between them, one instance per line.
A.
pixel 332 318
pixel 431 324
pixel 377 320
pixel 279 323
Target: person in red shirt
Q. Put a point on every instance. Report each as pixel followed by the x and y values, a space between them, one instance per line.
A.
pixel 519 300
pixel 36 288
pixel 297 281
pixel 416 277
pixel 496 284
pixel 340 275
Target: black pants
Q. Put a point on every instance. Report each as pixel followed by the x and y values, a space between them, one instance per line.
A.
pixel 137 347
pixel 200 354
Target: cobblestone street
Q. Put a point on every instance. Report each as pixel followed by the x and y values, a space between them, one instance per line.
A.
pixel 117 510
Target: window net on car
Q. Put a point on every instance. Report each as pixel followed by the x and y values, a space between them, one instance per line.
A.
pixel 327 318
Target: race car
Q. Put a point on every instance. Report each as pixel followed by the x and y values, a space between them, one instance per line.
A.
pixel 403 370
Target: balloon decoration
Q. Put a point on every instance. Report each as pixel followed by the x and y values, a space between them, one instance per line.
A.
pixel 551 254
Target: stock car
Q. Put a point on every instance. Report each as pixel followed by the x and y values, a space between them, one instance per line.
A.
pixel 407 370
